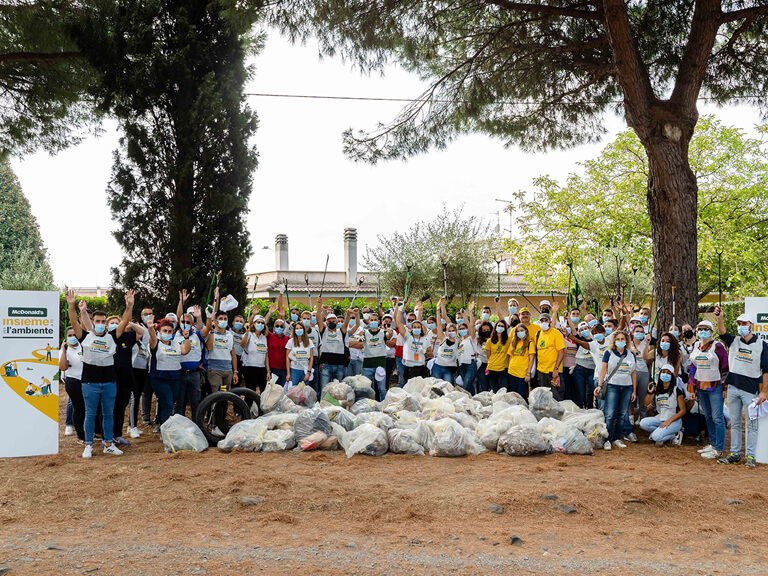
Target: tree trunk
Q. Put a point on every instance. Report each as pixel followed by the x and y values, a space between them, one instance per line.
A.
pixel 673 207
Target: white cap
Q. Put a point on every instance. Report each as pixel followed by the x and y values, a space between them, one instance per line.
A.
pixel 706 323
pixel 172 316
pixel 636 319
pixel 191 310
pixel 745 318
pixel 331 316
pixel 258 317
pixel 545 303
pixel 669 368
pixel 380 373
pixel 583 325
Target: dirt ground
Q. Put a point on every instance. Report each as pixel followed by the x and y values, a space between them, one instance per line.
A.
pixel 642 510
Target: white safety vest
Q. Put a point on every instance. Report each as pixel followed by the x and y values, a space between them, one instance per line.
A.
pixel 332 342
pixel 140 354
pixel 744 359
pixel 415 350
pixel 707 363
pixel 195 347
pixel 168 356
pixel 447 354
pixel 255 351
pixel 222 346
pixel 374 345
pixel 467 350
pixel 236 342
pixel 99 350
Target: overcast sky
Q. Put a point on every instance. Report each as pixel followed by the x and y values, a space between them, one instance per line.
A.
pixel 303 177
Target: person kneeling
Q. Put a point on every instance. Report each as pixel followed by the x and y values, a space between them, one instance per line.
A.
pixel 670 409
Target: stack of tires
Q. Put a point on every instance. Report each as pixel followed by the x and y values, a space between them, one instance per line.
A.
pixel 219 411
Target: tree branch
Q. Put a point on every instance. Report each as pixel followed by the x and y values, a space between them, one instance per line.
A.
pixel 38 56
pixel 548 10
pixel 743 13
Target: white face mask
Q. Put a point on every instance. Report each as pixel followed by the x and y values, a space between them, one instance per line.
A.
pixel 544 326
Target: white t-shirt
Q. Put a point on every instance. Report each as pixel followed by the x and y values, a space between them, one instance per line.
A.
pixel 299 355
pixel 255 351
pixel 415 350
pixel 75 361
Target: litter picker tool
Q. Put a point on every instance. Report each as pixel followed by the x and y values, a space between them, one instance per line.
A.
pixel 214 280
pixel 600 269
pixel 309 294
pixel 287 299
pixel 673 306
pixel 408 268
pixel 328 257
pixel 720 278
pixel 357 289
pixel 498 277
pixel 632 290
pixel 445 279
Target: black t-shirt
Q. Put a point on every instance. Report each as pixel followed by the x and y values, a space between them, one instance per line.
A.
pixel 124 349
pixel 97 374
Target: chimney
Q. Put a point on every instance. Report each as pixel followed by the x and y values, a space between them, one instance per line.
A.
pixel 350 254
pixel 281 252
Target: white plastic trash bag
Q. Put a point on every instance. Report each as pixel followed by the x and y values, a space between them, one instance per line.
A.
pixel 404 442
pixel 228 303
pixel 337 394
pixel 365 405
pixel 365 439
pixel 278 441
pixel 542 404
pixel 446 437
pixel 180 434
pixel 523 440
pixel 246 436
pixel 383 421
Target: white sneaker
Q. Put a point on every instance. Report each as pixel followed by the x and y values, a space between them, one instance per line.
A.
pixel 88 452
pixel 659 443
pixel 707 448
pixel 113 450
pixel 678 439
pixel 69 430
pixel 134 432
pixel 711 455
pixel 619 444
pixel 217 432
pixel 607 445
pixel 632 437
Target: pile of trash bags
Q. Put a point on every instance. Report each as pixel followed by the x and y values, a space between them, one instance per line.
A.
pixel 427 416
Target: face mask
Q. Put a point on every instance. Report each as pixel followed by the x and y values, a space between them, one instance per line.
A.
pixel 515 322
pixel 600 337
pixel 72 340
pixel 279 330
pixel 417 331
pixel 185 326
pixel 165 337
pixel 575 319
pixel 352 322
pixel 704 334
pixel 442 321
pixel 592 323
pixel 306 323
pixel 112 327
pixel 294 317
pixel 643 319
pixel 605 319
pixel 485 316
pixel 431 325
pixel 374 324
pixel 332 325
pixel 409 325
pixel 664 377
pixel 259 327
pixel 544 326
pixel 500 329
pixel 459 320
pixel 365 315
pixel 237 325
pixel 222 324
pixel 451 335
pixel 688 334
pixel 568 329
pixel 313 320
pixel 513 309
pixel 608 330
pixel 463 333
pixel 146 319
pixel 586 333
pixel 521 335
pixel 620 344
pixel 675 333
pixel 664 346
pixel 743 330
pixel 639 335
pixel 298 331
pixel 99 328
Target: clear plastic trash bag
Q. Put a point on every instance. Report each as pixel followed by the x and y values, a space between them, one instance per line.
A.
pixel 180 434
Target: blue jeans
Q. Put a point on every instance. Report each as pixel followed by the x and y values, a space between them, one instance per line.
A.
pixel 282 375
pixel 400 372
pixel 738 400
pixel 330 372
pixel 381 385
pixel 70 412
pixel 95 393
pixel 189 392
pixel 482 380
pixel 467 373
pixel 582 383
pixel 167 390
pixel 711 402
pixel 355 368
pixel 297 376
pixel 651 424
pixel 517 384
pixel 442 373
pixel 617 399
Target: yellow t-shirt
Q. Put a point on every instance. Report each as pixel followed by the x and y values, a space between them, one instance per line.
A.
pixel 497 354
pixel 518 359
pixel 548 345
pixel 532 330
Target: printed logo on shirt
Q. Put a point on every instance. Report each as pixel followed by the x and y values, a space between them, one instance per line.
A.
pixel 744 355
pixel 100 345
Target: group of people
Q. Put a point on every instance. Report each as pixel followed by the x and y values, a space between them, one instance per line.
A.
pixel 616 362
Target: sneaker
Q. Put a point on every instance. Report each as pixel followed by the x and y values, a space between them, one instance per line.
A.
pixel 69 430
pixel 78 441
pixel 146 422
pixel 711 455
pixel 707 448
pixel 134 432
pixel 619 444
pixel 217 432
pixel 750 463
pixel 122 441
pixel 659 443
pixel 678 439
pixel 607 445
pixel 88 452
pixel 113 450
pixel 730 459
pixel 631 437
pixel 156 429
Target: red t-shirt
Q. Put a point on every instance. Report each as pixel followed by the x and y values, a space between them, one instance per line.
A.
pixel 276 350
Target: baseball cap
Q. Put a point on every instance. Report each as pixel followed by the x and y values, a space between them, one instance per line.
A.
pixel 545 303
pixel 745 318
pixel 524 310
pixel 706 323
pixel 545 316
pixel 172 316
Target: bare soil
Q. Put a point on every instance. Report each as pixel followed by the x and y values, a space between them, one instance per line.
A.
pixel 641 510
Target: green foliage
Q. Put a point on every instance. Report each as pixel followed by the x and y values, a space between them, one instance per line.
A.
pixel 463 242
pixel 601 214
pixel 94 303
pixel 731 311
pixel 173 74
pixel 23 271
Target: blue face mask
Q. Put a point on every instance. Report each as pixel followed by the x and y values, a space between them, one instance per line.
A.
pixel 306 323
pixel 352 322
pixel 643 319
pixel 146 319
pixel 294 317
pixel 259 327
pixel 500 329
pixel 459 320
pixel 664 377
pixel 279 330
pixel 431 325
pixel 165 337
pixel 184 326
pixel 485 316
pixel 568 329
pixel 442 321
pixel 586 333
pixel 112 327
pixel 237 325
pixel 72 340
pixel 463 332
pixel 743 330
pixel 451 335
pixel 592 323
pixel 664 346
pixel 513 309
pixel 621 344
pixel 313 320
pixel 409 324
pixel 417 331
pixel 608 330
pixel 600 337
pixel 605 319
pixel 575 319
pixel 298 331
pixel 675 333
pixel 221 324
pixel 704 334
pixel 639 335
pixel 373 324
pixel 99 328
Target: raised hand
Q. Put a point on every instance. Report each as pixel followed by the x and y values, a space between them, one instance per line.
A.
pixel 71 298
pixel 83 305
pixel 130 297
pixel 272 307
pixel 183 296
pixel 718 311
pixel 196 311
